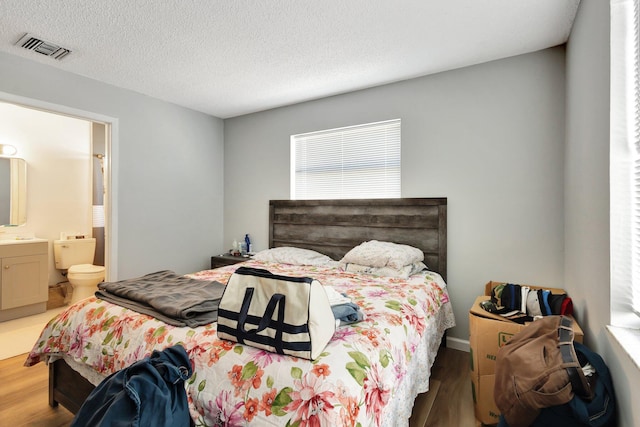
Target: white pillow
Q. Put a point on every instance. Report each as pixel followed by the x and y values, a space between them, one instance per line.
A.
pixel 291 255
pixel 383 254
pixel 403 273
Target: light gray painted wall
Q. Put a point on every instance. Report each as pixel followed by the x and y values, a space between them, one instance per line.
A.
pixel 587 260
pixel 169 166
pixel 488 137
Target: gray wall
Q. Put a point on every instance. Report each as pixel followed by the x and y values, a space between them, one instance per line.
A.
pixel 168 167
pixel 587 260
pixel 490 138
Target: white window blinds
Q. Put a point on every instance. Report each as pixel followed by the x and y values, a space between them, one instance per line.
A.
pixel 624 167
pixel 634 123
pixel 354 162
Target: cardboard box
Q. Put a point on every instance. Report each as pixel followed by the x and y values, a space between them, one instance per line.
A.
pixel 487 333
pixel 482 390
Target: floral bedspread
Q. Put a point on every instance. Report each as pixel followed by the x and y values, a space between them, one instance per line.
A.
pixel 368 374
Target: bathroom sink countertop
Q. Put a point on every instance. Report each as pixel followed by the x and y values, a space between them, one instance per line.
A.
pixel 13 240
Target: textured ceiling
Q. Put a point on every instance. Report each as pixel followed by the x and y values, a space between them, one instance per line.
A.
pixel 228 58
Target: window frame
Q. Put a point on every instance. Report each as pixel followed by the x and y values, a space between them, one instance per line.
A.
pixel 624 166
pixel 347 165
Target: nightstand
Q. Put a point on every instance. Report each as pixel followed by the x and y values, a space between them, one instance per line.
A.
pixel 226 259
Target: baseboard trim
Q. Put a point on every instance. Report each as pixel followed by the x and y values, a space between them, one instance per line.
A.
pixel 458 344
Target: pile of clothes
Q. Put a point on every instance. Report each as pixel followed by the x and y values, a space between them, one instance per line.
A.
pixel 522 304
pixel 344 310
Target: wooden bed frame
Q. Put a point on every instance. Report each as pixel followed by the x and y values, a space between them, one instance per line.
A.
pixel 331 227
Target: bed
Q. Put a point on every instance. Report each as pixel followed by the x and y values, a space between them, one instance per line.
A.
pixel 370 372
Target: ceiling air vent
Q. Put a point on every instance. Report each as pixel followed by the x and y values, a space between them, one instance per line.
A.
pixel 28 41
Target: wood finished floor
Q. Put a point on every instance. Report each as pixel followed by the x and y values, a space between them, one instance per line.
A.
pixel 24 400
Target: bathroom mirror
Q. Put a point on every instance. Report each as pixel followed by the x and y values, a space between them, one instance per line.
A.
pixel 13 191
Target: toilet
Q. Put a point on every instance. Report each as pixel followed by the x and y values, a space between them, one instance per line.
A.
pixel 75 256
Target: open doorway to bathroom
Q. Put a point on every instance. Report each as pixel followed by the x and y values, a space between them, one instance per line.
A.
pixel 60 146
pixel 92 163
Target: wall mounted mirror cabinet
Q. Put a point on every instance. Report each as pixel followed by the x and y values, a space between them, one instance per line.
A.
pixel 13 191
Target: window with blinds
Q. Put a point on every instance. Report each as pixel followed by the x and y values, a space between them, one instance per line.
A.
pixel 354 162
pixel 624 169
pixel 634 124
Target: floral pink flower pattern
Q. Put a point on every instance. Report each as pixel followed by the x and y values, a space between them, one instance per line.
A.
pixel 225 411
pixel 312 401
pixel 351 383
pixel 376 393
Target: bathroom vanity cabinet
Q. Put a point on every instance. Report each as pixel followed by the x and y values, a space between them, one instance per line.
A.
pixel 23 277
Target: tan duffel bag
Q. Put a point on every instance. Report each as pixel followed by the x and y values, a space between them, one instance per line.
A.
pixel 281 314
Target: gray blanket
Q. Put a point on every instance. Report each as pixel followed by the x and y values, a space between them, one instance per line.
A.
pixel 174 299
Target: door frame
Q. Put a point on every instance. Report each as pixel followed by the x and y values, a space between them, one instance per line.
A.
pixel 110 168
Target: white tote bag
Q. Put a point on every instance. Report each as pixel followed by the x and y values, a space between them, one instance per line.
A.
pixel 281 314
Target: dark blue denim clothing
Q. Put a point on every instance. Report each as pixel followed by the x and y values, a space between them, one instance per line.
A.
pixel 149 392
pixel 347 313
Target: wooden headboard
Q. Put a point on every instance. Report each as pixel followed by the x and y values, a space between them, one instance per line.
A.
pixel 332 227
